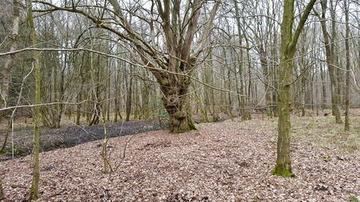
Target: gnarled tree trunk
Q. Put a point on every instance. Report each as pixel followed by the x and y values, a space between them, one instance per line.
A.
pixel 176 102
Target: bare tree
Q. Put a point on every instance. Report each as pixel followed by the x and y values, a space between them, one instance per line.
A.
pixel 289 41
pixel 171 64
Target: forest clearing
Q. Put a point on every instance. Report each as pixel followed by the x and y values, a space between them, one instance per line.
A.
pixel 225 161
pixel 180 100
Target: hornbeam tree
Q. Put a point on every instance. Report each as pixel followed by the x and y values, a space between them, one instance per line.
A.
pixel 177 23
pixel 289 40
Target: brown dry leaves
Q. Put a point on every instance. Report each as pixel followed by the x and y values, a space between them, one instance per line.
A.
pixel 228 161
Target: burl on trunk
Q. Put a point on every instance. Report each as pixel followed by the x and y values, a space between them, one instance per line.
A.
pixel 176 102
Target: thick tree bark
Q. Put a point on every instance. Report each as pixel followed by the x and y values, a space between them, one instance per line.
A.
pixel 176 103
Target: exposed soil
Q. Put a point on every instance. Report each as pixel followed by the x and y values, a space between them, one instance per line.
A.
pixel 227 161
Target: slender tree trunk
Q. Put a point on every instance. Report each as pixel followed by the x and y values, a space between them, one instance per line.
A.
pixel 347 47
pixel 95 88
pixel 136 100
pixel 323 87
pixel 223 97
pixel 146 109
pixel 108 92
pixel 79 96
pixel 60 107
pixel 116 96
pixel 116 108
pixel 304 74
pixel 250 95
pixel 275 76
pixel 210 79
pixel 247 113
pixel 227 84
pixel 129 97
pixel 201 102
pixel 303 95
pixel 78 109
pixel 34 191
pixel 331 62
pixel 266 73
pixel 334 53
pixel 243 111
pixel 206 79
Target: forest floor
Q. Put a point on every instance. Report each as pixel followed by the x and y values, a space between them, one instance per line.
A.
pixel 226 161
